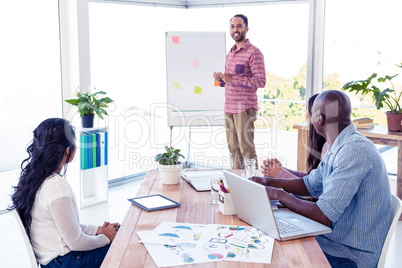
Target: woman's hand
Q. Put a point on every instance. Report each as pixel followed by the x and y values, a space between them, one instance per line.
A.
pixel 109 230
pixel 271 167
pixel 261 180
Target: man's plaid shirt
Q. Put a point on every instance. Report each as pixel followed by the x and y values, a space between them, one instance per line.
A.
pixel 248 74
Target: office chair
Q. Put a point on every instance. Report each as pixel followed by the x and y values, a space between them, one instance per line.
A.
pixel 31 254
pixel 396 212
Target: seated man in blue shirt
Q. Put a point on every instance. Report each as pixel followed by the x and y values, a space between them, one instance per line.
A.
pixel 351 185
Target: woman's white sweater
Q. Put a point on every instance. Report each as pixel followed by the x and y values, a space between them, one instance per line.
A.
pixel 55 227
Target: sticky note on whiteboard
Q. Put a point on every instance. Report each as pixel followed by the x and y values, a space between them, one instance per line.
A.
pixel 175 40
pixel 176 85
pixel 216 83
pixel 198 90
pixel 195 63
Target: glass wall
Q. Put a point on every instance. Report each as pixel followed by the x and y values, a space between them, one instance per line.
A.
pixel 29 78
pixel 128 61
pixel 362 37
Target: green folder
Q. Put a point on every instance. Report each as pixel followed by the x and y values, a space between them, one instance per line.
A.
pixel 93 150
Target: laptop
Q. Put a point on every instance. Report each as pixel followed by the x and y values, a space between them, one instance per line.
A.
pixel 253 206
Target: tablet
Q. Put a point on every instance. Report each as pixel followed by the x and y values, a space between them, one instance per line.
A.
pixel 154 202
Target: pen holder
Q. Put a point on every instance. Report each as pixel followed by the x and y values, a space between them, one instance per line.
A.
pixel 226 204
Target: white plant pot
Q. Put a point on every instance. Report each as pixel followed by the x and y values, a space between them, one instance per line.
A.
pixel 170 174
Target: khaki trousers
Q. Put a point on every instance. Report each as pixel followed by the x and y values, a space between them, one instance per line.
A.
pixel 240 137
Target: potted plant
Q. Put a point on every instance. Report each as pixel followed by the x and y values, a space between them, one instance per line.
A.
pixel 169 165
pixel 388 97
pixel 88 104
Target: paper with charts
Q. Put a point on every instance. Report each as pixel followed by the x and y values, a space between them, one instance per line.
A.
pixel 172 244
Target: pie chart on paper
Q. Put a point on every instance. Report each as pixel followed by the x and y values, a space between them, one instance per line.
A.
pixel 215 256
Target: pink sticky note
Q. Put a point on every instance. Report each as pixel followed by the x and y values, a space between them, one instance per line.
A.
pixel 195 63
pixel 175 40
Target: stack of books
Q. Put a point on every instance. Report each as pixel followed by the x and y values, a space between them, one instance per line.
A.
pixel 363 122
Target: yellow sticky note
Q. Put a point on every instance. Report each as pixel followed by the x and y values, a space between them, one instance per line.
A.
pixel 176 85
pixel 197 90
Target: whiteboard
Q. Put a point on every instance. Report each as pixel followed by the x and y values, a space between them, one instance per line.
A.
pixel 193 97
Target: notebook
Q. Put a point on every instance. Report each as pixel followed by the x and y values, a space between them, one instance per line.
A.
pixel 201 180
pixel 253 206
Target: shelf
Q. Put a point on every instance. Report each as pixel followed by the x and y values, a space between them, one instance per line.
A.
pixel 93 185
pixel 92 200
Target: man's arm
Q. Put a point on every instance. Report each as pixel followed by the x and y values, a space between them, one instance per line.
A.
pixel 279 189
pixel 294 185
pixel 258 76
pixel 303 207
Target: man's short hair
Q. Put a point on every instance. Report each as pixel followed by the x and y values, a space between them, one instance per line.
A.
pixel 241 16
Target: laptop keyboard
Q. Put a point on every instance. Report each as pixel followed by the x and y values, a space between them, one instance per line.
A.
pixel 286 227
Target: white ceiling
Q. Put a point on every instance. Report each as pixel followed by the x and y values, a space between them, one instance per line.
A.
pixel 194 3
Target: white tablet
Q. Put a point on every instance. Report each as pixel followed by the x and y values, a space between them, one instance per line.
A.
pixel 154 202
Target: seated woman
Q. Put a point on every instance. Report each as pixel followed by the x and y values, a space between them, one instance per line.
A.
pixel 317 149
pixel 47 205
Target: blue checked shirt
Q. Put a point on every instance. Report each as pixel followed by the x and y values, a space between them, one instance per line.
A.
pixel 354 193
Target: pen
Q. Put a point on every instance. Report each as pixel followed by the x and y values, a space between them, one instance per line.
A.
pixel 223 188
pixel 226 190
pixel 221 185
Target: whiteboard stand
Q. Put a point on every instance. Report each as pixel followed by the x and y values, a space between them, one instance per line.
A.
pixel 171 129
pixel 186 164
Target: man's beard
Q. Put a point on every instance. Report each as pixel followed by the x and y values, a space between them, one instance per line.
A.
pixel 240 37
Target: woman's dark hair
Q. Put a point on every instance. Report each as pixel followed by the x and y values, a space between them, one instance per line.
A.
pixel 316 141
pixel 50 141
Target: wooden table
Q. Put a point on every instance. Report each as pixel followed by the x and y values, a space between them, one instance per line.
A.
pixel 196 207
pixel 378 135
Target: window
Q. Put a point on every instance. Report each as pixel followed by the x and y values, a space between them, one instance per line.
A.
pixel 29 78
pixel 358 44
pixel 127 44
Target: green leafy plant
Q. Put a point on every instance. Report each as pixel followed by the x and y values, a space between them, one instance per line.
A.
pixel 388 96
pixel 88 104
pixel 171 157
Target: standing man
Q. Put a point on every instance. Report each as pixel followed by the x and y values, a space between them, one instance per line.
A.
pixel 244 74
